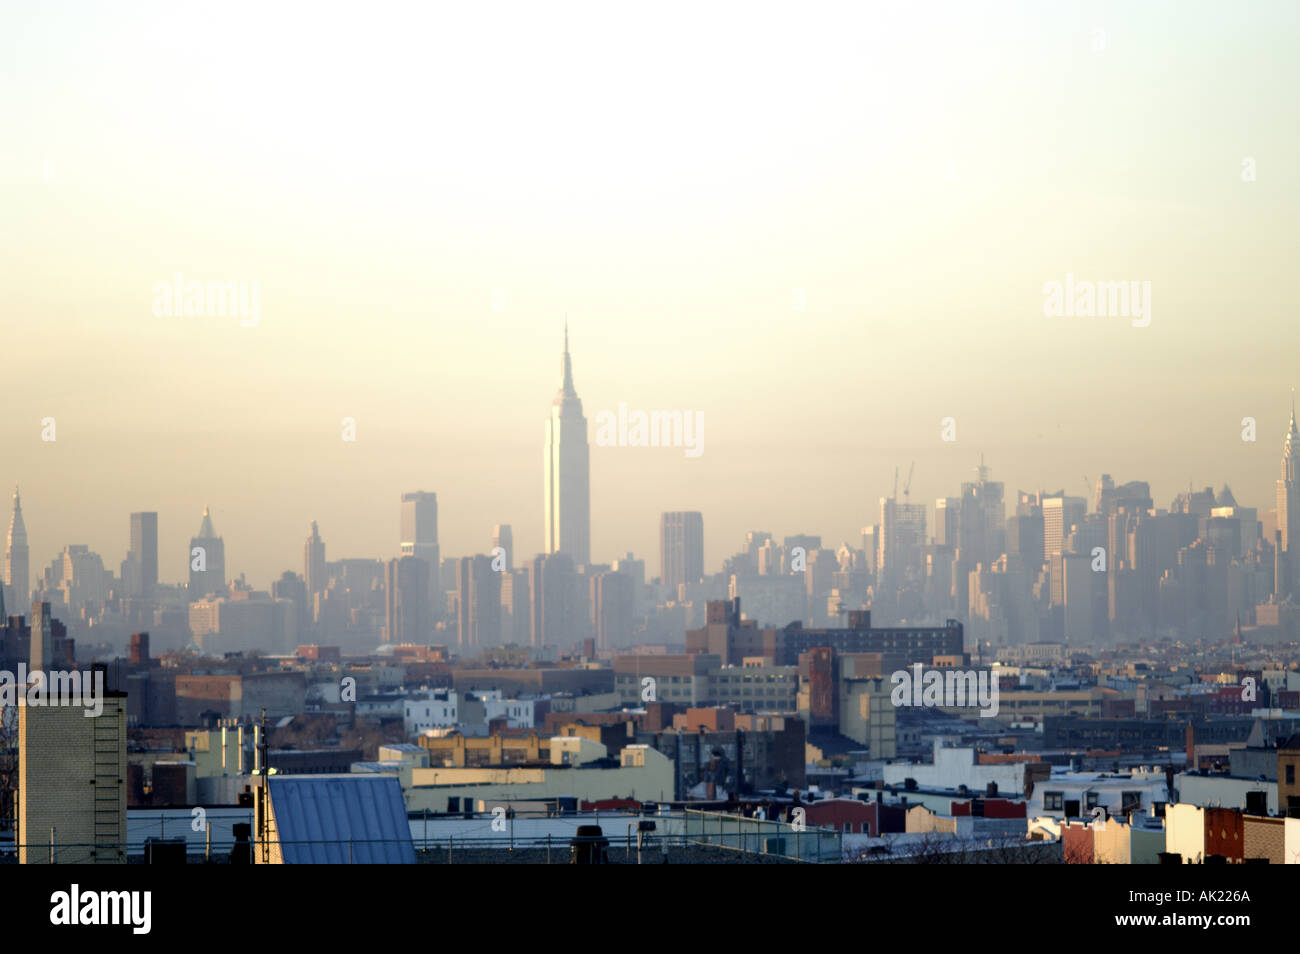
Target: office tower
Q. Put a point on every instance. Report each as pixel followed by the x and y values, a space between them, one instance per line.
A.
pixel 407 616
pixel 71 800
pixel 552 582
pixel 207 561
pixel 419 528
pixel 611 609
pixel 17 574
pixel 870 538
pixel 1081 588
pixel 516 619
pixel 754 541
pixel 1029 502
pixel 1134 495
pixel 631 567
pixel 504 538
pixel 947 521
pixel 138 654
pixel 1060 514
pixel 419 538
pixel 983 518
pixel 1288 503
pixel 292 590
pixel 566 474
pixel 313 561
pixel 1025 538
pixel 681 547
pixel 901 539
pixel 478 602
pixel 144 551
pixel 1102 497
pixel 41 656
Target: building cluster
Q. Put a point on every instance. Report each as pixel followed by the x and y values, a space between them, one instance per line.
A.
pixel 1140 700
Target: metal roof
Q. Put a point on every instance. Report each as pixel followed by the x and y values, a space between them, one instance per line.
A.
pixel 341 819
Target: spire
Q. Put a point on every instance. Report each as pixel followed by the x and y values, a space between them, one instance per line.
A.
pixel 1291 446
pixel 567 386
pixel 17 528
pixel 205 528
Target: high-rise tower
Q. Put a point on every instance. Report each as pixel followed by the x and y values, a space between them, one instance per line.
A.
pixel 419 529
pixel 681 548
pixel 17 577
pixel 566 472
pixel 207 561
pixel 1288 500
pixel 143 555
pixel 313 561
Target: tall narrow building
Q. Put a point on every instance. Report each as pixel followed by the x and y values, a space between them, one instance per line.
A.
pixel 1288 502
pixel 143 556
pixel 566 472
pixel 407 615
pixel 478 590
pixel 419 530
pixel 17 575
pixel 681 547
pixel 207 561
pixel 504 537
pixel 313 561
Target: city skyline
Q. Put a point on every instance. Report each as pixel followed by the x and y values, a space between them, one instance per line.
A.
pixel 736 243
pixel 1290 452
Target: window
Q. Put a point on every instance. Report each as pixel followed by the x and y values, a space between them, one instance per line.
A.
pixel 1091 800
pixel 1052 801
pixel 1290 774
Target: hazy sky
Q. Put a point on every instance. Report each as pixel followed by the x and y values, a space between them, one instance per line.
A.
pixel 423 193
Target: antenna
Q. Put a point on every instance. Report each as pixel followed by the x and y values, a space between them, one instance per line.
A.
pixel 907 487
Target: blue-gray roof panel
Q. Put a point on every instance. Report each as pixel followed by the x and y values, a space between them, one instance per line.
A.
pixel 320 817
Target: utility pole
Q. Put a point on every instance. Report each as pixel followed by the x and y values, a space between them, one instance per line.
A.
pixel 264 793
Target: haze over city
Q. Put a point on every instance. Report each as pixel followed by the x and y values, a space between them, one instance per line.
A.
pixel 824 242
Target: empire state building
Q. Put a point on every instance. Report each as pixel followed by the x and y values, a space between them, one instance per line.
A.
pixel 566 472
pixel 1288 504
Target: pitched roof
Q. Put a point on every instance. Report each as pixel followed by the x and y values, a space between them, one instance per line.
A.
pixel 334 819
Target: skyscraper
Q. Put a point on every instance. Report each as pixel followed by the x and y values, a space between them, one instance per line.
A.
pixel 552 582
pixel 681 547
pixel 419 531
pixel 1288 502
pixel 899 543
pixel 566 473
pixel 17 575
pixel 611 609
pixel 313 561
pixel 144 551
pixel 407 617
pixel 207 561
pixel 478 600
pixel 1060 513
pixel 503 536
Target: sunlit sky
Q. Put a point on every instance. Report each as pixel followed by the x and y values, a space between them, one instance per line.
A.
pixel 424 192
